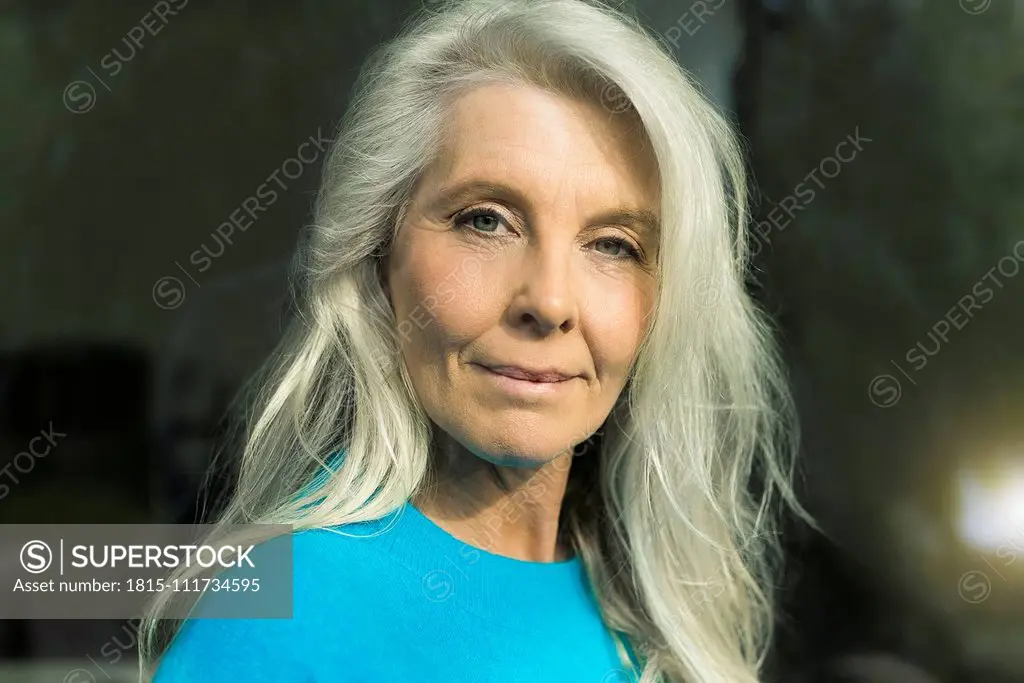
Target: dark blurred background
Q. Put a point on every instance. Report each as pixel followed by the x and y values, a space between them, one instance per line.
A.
pixel 131 131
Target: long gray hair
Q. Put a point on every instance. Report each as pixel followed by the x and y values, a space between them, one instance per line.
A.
pixel 678 531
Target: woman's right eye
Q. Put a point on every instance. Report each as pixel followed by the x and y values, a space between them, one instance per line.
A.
pixel 480 220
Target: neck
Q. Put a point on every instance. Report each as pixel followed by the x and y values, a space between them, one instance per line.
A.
pixel 503 509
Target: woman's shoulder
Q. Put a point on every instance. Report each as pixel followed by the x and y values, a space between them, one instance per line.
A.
pixel 337 576
pixel 253 650
pixel 336 563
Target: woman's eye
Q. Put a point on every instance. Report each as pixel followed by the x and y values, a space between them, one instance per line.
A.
pixel 485 222
pixel 480 220
pixel 619 248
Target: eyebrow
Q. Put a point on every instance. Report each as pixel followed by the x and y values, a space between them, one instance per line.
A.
pixel 643 220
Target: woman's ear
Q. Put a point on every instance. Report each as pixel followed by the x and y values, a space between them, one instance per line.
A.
pixel 384 261
pixel 382 275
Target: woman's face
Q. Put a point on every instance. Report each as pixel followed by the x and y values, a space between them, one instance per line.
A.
pixel 528 249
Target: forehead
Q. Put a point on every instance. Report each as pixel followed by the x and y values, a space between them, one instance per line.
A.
pixel 547 145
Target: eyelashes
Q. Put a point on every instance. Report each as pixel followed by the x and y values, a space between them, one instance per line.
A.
pixel 464 222
pixel 462 219
pixel 627 247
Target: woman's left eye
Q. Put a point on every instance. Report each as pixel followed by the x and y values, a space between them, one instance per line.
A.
pixel 625 249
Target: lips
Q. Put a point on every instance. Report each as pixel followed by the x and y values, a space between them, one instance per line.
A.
pixel 539 376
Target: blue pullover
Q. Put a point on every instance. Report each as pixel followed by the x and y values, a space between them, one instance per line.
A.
pixel 400 600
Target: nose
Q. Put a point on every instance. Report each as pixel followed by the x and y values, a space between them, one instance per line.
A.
pixel 546 298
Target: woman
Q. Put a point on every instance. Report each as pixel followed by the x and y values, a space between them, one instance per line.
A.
pixel 518 420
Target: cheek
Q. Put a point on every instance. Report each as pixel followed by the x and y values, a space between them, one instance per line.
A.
pixel 440 301
pixel 614 322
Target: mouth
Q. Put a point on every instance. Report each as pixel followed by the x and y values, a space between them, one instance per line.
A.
pixel 547 376
pixel 532 386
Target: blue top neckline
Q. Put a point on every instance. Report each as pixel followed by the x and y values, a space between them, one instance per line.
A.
pixel 471 572
pixel 444 537
pixel 452 571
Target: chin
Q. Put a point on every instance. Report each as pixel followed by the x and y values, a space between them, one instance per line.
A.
pixel 518 454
